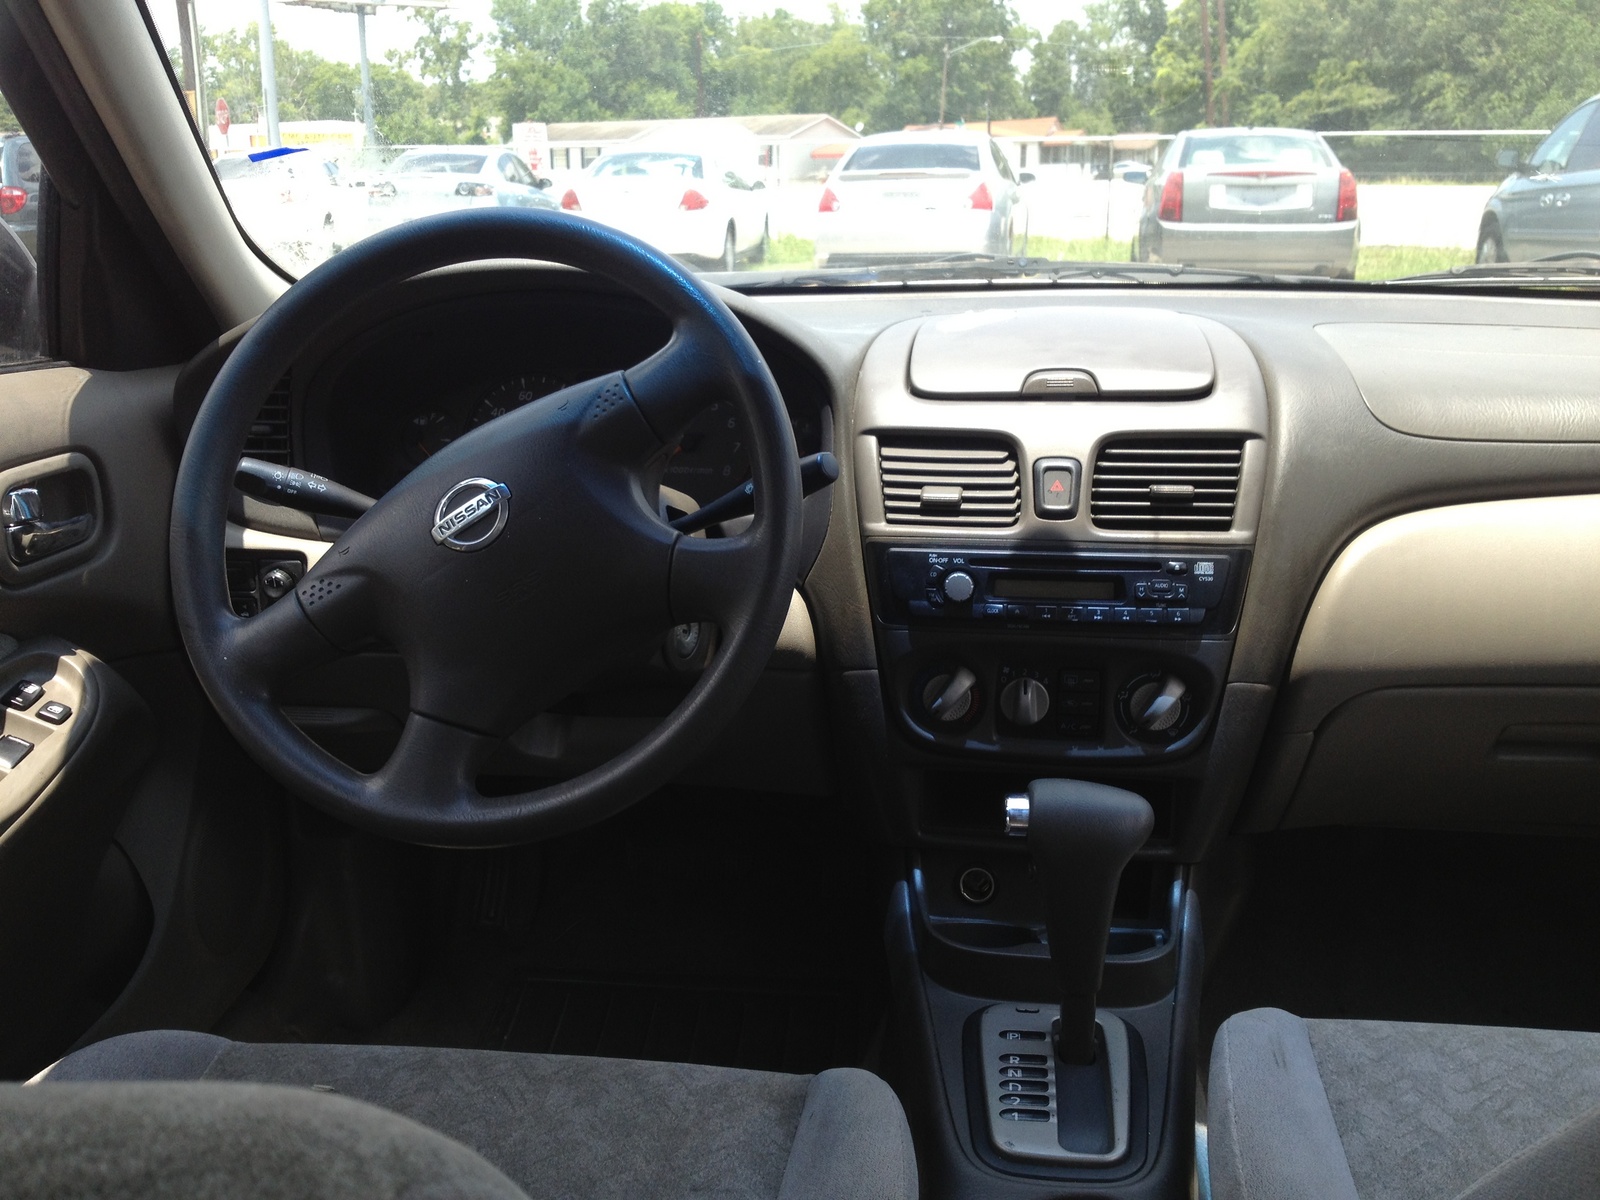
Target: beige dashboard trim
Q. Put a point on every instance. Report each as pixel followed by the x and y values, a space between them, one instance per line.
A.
pixel 1501 592
pixel 241 538
pixel 1075 429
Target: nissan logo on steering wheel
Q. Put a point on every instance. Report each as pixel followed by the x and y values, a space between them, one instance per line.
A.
pixel 463 519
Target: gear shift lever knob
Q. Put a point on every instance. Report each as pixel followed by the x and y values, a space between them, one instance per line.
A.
pixel 1081 836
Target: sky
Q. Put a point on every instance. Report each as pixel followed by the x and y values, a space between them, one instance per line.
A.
pixel 333 35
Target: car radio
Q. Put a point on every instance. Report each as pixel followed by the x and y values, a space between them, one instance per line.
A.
pixel 1131 593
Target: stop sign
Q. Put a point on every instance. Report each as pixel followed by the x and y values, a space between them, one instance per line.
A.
pixel 222 116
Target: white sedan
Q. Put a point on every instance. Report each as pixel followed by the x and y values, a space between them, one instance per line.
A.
pixel 684 202
pixel 905 197
pixel 290 200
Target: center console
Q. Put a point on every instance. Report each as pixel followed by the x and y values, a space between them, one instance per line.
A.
pixel 1056 576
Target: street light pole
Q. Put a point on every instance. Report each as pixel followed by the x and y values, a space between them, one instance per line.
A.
pixel 944 72
pixel 366 77
pixel 269 75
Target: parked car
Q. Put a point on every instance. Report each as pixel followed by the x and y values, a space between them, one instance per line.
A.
pixel 430 179
pixel 905 196
pixel 1130 170
pixel 692 203
pixel 1269 199
pixel 20 174
pixel 290 199
pixel 1550 204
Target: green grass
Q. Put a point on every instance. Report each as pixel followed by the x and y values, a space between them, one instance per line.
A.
pixel 1376 262
pixel 1080 249
pixel 1391 262
pixel 787 250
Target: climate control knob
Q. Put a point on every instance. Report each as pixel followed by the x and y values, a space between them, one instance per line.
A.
pixel 958 586
pixel 1155 707
pixel 1025 701
pixel 951 697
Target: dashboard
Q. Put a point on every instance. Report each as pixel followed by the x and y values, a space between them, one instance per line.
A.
pixel 984 601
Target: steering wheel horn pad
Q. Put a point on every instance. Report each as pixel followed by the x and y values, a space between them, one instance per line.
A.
pixel 555 564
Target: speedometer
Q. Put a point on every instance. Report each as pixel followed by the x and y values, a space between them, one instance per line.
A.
pixel 513 393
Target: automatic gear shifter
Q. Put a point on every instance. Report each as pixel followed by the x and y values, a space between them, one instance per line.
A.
pixel 1081 836
pixel 1060 1089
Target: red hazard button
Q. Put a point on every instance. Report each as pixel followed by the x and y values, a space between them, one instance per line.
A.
pixel 1055 494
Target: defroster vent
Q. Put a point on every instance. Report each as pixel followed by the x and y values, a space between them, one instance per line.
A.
pixel 961 481
pixel 1167 483
pixel 268 439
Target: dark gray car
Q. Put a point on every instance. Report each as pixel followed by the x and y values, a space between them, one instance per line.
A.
pixel 1550 205
pixel 20 174
pixel 1267 199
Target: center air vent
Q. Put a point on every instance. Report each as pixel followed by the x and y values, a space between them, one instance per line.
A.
pixel 949 481
pixel 268 439
pixel 1167 483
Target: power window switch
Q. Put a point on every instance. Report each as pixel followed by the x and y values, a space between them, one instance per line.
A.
pixel 24 696
pixel 12 751
pixel 54 713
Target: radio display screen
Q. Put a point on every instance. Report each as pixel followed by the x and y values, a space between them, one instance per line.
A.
pixel 1013 587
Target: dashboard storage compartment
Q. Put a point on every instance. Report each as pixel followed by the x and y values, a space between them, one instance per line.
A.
pixel 1462 758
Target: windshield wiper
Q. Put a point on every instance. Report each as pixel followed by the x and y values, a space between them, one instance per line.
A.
pixel 994 268
pixel 1556 268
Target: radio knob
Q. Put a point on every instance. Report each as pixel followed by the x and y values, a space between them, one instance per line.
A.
pixel 958 586
pixel 1025 701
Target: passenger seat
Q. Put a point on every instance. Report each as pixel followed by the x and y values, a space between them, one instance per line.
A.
pixel 1387 1110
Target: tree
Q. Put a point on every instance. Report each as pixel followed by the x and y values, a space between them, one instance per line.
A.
pixel 441 56
pixel 913 37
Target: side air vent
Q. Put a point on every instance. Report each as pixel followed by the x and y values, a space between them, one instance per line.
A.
pixel 950 481
pixel 268 439
pixel 1166 483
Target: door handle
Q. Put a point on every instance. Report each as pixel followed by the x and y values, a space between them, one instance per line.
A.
pixel 29 537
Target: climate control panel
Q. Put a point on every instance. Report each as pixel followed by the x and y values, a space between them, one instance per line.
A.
pixel 1076 654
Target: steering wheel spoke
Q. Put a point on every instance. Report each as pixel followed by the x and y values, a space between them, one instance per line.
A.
pixel 279 640
pixel 676 384
pixel 434 767
pixel 711 577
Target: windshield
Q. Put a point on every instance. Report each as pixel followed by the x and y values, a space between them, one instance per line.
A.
pixel 818 143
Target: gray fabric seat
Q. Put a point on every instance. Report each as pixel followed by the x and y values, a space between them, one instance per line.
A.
pixel 1386 1110
pixel 581 1127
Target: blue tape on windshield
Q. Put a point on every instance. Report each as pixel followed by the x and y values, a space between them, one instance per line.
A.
pixel 275 152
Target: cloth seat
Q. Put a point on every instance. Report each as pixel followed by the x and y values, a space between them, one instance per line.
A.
pixel 560 1126
pixel 1388 1110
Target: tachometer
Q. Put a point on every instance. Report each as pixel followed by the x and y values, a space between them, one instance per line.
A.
pixel 513 393
pixel 712 455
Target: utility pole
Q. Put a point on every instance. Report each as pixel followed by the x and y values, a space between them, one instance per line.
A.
pixel 269 75
pixel 699 73
pixel 944 72
pixel 1222 56
pixel 368 133
pixel 1205 55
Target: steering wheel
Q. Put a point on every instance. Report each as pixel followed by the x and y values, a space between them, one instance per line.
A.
pixel 509 568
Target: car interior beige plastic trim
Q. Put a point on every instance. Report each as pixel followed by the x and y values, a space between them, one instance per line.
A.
pixel 1494 383
pixel 241 537
pixel 1501 592
pixel 121 70
pixel 1060 428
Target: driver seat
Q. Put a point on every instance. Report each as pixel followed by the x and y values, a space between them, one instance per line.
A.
pixel 553 1125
